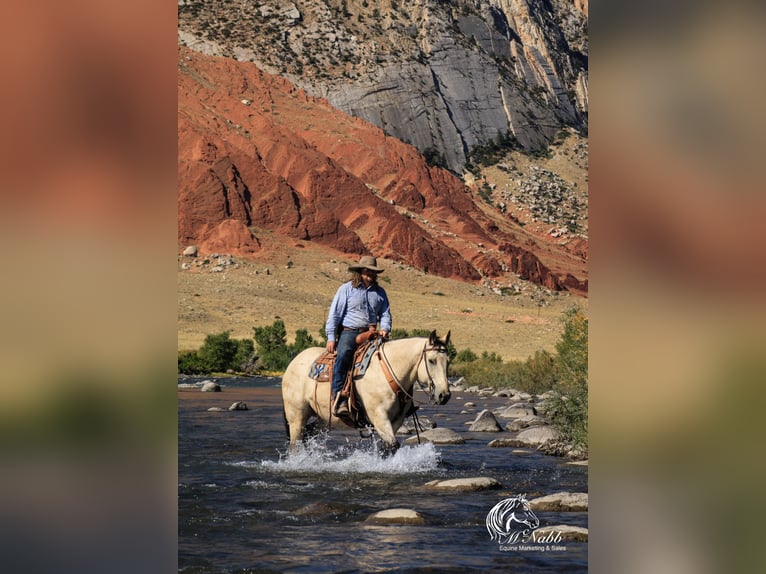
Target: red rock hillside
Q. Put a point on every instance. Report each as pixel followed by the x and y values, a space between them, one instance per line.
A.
pixel 257 155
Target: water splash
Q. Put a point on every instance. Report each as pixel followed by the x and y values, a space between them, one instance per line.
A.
pixel 318 457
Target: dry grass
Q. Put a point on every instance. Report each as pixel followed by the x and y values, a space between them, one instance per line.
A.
pixel 257 292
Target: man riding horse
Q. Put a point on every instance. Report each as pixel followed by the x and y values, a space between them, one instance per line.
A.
pixel 358 306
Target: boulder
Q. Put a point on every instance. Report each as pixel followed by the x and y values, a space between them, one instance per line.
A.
pixel 485 422
pixel 396 516
pixel 408 427
pixel 191 251
pixel 504 442
pixel 525 422
pixel 537 436
pixel 517 411
pixel 465 484
pixel 437 436
pixel 210 387
pixel 238 406
pixel 561 502
pixel 216 410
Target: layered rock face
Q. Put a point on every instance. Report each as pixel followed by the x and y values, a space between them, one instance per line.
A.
pixel 257 155
pixel 442 76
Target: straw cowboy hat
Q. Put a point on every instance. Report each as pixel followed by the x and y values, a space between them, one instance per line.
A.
pixel 366 262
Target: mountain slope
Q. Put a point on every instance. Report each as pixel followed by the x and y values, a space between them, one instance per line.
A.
pixel 257 155
pixel 444 75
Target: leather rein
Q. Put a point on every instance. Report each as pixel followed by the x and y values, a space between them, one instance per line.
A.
pixel 393 380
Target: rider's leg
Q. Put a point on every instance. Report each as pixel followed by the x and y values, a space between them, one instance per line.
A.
pixel 344 349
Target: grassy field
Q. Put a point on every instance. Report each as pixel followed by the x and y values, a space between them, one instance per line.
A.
pixel 296 284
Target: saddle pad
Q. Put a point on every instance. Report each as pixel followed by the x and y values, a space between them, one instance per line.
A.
pixel 321 369
pixel 362 357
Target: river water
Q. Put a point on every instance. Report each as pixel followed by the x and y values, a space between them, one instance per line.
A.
pixel 245 506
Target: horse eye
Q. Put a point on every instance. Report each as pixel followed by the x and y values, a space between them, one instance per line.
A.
pixel 432 361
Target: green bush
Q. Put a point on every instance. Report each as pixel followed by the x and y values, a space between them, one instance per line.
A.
pixel 218 354
pixel 568 409
pixel 535 375
pixel 189 363
pixel 465 356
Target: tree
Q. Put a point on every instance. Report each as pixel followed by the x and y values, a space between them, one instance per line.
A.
pixel 272 345
pixel 218 351
pixel 303 340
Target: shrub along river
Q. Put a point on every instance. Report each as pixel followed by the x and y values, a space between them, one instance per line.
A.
pixel 244 505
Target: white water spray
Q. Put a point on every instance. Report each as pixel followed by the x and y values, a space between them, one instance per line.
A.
pixel 317 457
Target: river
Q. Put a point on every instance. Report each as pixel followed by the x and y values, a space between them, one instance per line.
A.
pixel 245 506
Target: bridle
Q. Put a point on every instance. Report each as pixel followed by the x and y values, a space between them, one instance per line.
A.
pixel 393 380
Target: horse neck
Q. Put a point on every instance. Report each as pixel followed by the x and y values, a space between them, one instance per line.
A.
pixel 404 356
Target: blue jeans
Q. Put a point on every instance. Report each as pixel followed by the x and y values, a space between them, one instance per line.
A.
pixel 344 357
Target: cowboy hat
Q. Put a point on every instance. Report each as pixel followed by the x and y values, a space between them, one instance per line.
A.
pixel 366 262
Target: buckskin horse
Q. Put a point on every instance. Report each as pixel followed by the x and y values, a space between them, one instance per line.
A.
pixel 384 391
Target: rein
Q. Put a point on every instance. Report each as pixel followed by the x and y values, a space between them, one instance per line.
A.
pixel 393 381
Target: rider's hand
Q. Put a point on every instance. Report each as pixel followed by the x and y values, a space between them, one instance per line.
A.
pixel 330 346
pixel 382 334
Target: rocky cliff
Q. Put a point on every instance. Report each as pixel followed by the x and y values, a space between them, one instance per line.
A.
pixel 259 156
pixel 443 75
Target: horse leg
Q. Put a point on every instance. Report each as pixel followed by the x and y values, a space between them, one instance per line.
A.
pixel 296 422
pixel 379 419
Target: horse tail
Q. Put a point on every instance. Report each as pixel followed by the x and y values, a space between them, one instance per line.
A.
pixel 284 419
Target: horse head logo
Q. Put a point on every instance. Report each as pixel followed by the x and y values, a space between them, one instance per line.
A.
pixel 511 520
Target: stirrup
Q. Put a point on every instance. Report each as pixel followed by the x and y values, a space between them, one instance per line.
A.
pixel 340 406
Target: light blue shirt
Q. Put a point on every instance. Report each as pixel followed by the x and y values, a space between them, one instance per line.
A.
pixel 358 308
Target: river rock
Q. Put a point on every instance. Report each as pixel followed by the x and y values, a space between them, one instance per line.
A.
pixel 238 406
pixel 465 484
pixel 567 531
pixel 396 516
pixel 210 387
pixel 485 422
pixel 469 404
pixel 525 422
pixel 537 436
pixel 516 411
pixel 561 502
pixel 504 442
pixel 408 427
pixel 437 436
pixel 216 410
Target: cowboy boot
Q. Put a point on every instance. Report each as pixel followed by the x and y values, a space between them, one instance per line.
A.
pixel 341 406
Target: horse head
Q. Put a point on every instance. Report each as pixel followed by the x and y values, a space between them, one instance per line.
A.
pixel 432 370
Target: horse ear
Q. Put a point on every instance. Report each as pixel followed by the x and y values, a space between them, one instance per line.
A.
pixel 432 338
pixel 446 339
